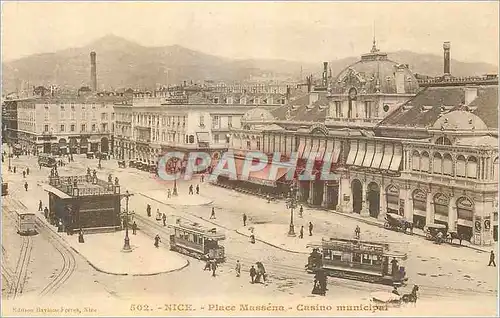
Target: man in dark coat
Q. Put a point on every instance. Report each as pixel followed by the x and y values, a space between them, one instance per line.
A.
pixel 26 186
pixel 134 228
pixel 301 234
pixel 310 229
pixel 46 212
pixel 197 189
pixel 244 219
pixel 214 267
pixel 492 259
pixel 212 215
pixel 148 210
pixel 253 273
pixel 191 189
pixel 40 206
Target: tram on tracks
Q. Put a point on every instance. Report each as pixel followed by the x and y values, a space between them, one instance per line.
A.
pixel 372 262
pixel 26 223
pixel 197 241
pixel 46 160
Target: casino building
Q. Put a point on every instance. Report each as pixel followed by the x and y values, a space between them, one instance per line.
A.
pixel 426 149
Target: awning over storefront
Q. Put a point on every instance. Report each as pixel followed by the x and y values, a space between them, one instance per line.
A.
pixel 263 176
pixel 377 157
pixel 302 146
pixel 314 147
pixel 370 152
pixel 336 151
pixel 307 150
pixel 396 159
pixel 361 154
pixel 321 150
pixel 352 153
pixel 386 159
pixel 328 150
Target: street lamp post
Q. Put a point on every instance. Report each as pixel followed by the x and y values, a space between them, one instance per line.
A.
pixel 293 202
pixel 175 180
pixel 126 246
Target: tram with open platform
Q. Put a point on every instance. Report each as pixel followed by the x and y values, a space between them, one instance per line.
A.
pixel 374 262
pixel 197 241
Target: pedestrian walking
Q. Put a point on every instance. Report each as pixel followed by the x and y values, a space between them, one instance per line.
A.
pixel 134 228
pixel 301 211
pixel 27 171
pixel 244 219
pixel 197 189
pixel 14 169
pixel 148 210
pixel 46 212
pixel 191 189
pixel 253 273
pixel 214 267
pixel 310 229
pixel 158 215
pixel 24 174
pixel 203 178
pixel 207 263
pixel 212 215
pixel 26 186
pixel 164 218
pixel 39 166
pixel 80 236
pixel 40 206
pixel 492 259
pixel 301 234
pixel 238 268
pixel 268 198
pixel 157 240
pixel 169 193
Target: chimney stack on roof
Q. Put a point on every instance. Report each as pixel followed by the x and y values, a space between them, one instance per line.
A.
pixel 446 48
pixel 325 74
pixel 93 72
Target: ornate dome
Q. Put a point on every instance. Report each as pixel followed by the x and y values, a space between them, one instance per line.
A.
pixel 258 114
pixel 375 73
pixel 459 120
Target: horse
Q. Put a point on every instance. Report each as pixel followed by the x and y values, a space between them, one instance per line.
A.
pixel 455 236
pixel 411 297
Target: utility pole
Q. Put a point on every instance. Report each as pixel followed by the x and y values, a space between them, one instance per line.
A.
pixel 126 246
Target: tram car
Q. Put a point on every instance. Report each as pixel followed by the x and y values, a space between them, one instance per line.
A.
pixel 26 223
pixel 46 160
pixel 372 262
pixel 5 188
pixel 197 241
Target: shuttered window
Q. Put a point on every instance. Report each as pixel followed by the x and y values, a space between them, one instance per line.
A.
pixel 415 161
pixel 495 169
pixel 460 168
pixel 424 162
pixel 472 168
pixel 437 164
pixel 447 165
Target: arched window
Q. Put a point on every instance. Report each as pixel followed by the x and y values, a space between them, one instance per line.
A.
pixel 443 141
pixel 447 165
pixel 415 161
pixel 472 168
pixel 495 169
pixel 424 162
pixel 437 164
pixel 460 168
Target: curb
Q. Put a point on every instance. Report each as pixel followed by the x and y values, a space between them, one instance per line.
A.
pixel 270 244
pixel 381 226
pixel 176 205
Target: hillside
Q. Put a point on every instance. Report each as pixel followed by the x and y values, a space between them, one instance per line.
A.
pixel 122 63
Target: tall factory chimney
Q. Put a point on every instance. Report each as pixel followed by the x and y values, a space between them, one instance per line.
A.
pixel 325 74
pixel 93 72
pixel 446 48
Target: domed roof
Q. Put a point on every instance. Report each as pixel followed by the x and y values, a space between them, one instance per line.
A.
pixel 375 73
pixel 258 114
pixel 459 120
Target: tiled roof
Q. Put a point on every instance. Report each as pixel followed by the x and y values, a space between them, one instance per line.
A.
pixel 300 110
pixel 425 108
pixel 487 105
pixel 198 98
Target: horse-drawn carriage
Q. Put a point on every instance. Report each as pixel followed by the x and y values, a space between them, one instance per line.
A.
pixel 131 163
pixel 393 299
pixel 122 164
pixel 90 155
pixel 436 232
pixel 397 223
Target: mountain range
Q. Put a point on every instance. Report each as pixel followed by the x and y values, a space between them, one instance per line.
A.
pixel 122 63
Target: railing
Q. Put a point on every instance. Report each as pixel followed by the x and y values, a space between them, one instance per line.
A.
pixel 66 184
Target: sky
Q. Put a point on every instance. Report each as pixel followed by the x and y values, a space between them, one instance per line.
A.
pixel 308 32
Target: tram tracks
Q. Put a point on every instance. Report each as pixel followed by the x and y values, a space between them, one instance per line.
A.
pixel 17 278
pixel 68 258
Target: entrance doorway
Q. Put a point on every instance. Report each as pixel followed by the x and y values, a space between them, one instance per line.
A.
pixel 104 144
pixel 357 196
pixel 319 189
pixel 373 198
